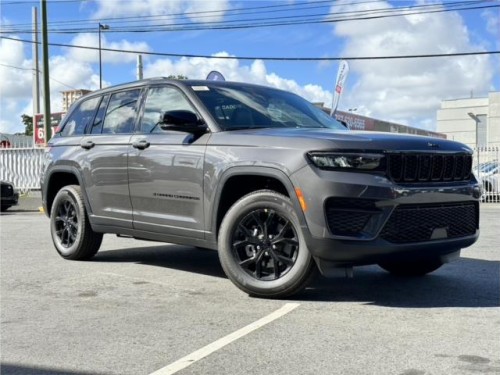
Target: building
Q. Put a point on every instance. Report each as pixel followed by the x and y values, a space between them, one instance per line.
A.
pixel 70 96
pixel 358 122
pixel 473 121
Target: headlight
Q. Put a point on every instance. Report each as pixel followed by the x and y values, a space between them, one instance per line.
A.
pixel 348 161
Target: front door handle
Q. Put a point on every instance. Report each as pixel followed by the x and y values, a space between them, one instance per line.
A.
pixel 141 144
pixel 87 144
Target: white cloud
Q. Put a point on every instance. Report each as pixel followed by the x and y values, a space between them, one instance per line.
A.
pixel 410 90
pixel 15 70
pixel 232 70
pixel 116 8
pixel 16 83
pixel 70 72
pixel 492 22
pixel 92 55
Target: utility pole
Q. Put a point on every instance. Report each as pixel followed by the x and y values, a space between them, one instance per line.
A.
pixel 101 27
pixel 36 78
pixel 139 67
pixel 46 85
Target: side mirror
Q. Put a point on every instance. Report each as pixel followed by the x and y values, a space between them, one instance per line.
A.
pixel 181 120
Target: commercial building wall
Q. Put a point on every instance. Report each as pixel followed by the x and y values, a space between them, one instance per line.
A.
pixel 358 122
pixel 453 119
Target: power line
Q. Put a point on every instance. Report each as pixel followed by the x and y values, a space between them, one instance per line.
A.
pixel 352 58
pixel 368 14
pixel 269 24
pixel 31 69
pixel 211 13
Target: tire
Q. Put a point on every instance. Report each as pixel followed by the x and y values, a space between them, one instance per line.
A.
pixel 71 232
pixel 420 267
pixel 261 247
pixel 4 208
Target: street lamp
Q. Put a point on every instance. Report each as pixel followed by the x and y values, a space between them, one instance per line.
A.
pixel 101 27
pixel 477 120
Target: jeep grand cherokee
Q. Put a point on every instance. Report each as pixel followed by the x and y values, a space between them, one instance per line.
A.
pixel 275 185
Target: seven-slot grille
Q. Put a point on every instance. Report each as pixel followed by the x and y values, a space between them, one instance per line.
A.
pixel 426 167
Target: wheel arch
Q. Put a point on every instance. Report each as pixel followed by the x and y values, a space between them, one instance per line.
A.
pixel 237 182
pixel 56 180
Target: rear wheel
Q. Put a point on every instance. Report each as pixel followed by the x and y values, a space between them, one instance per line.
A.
pixel 412 268
pixel 261 247
pixel 71 232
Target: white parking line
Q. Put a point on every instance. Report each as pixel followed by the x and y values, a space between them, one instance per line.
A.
pixel 226 340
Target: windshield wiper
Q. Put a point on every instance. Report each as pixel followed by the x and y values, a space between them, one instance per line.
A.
pixel 247 128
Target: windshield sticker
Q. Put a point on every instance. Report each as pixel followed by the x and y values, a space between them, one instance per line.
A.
pixel 200 88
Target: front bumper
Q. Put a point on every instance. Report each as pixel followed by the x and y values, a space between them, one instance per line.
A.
pixel 370 229
pixel 11 200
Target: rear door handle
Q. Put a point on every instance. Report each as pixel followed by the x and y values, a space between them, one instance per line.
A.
pixel 141 144
pixel 87 144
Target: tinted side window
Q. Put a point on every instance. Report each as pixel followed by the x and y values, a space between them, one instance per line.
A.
pixel 122 112
pixel 98 121
pixel 158 101
pixel 80 117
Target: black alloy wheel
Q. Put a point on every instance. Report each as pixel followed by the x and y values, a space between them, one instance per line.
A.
pixel 261 247
pixel 265 244
pixel 70 228
pixel 66 223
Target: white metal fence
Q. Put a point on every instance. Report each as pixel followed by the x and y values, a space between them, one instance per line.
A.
pixel 487 170
pixel 23 167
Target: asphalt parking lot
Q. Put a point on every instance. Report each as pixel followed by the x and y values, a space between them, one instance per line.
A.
pixel 144 307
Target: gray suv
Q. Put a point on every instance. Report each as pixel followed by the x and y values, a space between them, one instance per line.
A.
pixel 274 184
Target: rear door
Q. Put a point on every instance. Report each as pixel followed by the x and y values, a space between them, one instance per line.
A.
pixel 106 145
pixel 166 169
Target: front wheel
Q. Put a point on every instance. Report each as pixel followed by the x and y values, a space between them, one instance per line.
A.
pixel 71 232
pixel 412 268
pixel 261 247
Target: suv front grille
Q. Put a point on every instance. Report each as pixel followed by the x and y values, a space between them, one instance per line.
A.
pixel 348 217
pixel 418 168
pixel 417 223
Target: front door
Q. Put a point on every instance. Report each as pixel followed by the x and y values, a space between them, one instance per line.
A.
pixel 166 170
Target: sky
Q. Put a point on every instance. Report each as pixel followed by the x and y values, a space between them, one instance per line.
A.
pixel 407 91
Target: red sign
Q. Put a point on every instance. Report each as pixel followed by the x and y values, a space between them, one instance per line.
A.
pixel 39 131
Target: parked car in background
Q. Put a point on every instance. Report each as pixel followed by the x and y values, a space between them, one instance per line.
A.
pixel 9 195
pixel 4 141
pixel 488 174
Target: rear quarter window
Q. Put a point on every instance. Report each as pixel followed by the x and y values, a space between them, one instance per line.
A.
pixel 80 117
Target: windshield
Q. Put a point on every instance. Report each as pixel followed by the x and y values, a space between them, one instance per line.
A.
pixel 249 107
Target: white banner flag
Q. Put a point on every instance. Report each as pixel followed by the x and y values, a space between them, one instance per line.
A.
pixel 339 85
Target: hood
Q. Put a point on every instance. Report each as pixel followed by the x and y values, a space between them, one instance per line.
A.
pixel 324 139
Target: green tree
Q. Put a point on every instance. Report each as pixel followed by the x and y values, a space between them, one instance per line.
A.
pixel 28 123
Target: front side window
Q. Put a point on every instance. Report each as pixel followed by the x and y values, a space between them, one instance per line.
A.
pixel 122 112
pixel 80 117
pixel 161 100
